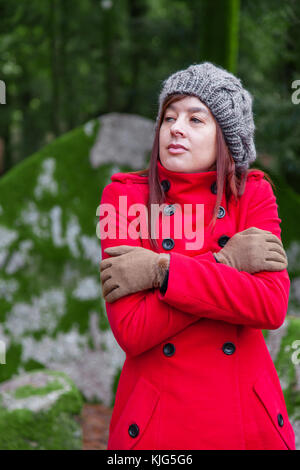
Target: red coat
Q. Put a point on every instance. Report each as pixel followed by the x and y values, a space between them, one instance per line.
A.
pixel 198 374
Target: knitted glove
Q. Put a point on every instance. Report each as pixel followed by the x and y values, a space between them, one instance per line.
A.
pixel 131 269
pixel 253 250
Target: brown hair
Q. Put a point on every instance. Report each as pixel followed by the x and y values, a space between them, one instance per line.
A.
pixel 229 178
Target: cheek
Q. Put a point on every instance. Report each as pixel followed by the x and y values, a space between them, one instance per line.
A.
pixel 206 137
pixel 162 137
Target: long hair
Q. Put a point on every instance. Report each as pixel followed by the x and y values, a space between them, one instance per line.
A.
pixel 229 178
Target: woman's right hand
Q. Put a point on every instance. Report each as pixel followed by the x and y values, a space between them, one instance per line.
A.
pixel 253 250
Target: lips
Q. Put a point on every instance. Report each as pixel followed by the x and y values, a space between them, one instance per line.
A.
pixel 177 146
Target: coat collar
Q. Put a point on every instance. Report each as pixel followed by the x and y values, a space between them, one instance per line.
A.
pixel 181 186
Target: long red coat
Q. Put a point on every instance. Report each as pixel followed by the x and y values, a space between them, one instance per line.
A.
pixel 198 374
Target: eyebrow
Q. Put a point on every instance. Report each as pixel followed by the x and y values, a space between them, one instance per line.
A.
pixel 192 110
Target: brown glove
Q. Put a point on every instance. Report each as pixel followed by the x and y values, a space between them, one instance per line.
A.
pixel 131 269
pixel 254 250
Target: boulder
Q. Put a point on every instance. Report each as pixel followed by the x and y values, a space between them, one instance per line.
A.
pixel 38 411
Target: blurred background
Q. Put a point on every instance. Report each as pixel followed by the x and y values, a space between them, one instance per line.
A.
pixel 81 83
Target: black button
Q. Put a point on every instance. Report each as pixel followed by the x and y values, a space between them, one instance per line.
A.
pixel 169 349
pixel 168 243
pixel 221 212
pixel 280 419
pixel 223 240
pixel 165 185
pixel 213 187
pixel 169 210
pixel 228 348
pixel 133 430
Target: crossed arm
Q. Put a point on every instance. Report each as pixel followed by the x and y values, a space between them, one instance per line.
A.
pixel 144 319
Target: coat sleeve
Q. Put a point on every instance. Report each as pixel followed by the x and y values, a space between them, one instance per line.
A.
pixel 138 321
pixel 220 292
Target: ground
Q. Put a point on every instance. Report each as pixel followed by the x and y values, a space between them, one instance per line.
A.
pixel 95 421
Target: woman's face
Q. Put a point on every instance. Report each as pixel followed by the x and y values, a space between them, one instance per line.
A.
pixel 188 122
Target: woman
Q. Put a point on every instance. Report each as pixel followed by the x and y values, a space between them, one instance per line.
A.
pixel 189 314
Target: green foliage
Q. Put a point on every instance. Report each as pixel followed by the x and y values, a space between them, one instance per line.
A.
pixel 286 368
pixel 288 205
pixel 67 62
pixel 53 429
pixel 268 64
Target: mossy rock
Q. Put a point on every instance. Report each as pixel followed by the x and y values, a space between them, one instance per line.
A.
pixel 39 411
pixel 284 348
pixel 52 314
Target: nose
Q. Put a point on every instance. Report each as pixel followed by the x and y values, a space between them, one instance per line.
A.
pixel 177 129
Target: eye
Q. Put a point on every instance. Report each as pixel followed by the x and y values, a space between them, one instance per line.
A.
pixel 166 118
pixel 193 119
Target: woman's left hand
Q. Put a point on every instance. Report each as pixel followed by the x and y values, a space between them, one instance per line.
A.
pixel 131 269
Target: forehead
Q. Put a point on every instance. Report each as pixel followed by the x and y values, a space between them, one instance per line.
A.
pixel 189 104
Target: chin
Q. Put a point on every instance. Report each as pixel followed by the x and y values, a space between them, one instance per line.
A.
pixel 174 164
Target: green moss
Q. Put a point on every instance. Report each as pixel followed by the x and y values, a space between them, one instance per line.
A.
pixel 56 428
pixel 28 390
pixel 13 359
pixel 70 402
pixel 265 333
pixel 76 314
pixel 5 307
pixel 31 365
pixel 103 320
pixel 285 366
pixel 24 430
pixel 90 343
pixel 38 335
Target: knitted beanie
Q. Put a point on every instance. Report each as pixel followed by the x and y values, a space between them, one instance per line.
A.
pixel 227 100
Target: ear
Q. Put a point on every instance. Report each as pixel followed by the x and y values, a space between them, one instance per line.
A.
pixel 119 250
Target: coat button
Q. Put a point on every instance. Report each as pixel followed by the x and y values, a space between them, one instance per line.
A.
pixel 133 430
pixel 169 210
pixel 228 348
pixel 280 419
pixel 223 240
pixel 168 243
pixel 166 185
pixel 221 212
pixel 213 187
pixel 169 349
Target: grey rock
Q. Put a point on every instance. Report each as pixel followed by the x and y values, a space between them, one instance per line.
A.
pixel 123 139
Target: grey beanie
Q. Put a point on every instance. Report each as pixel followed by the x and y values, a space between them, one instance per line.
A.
pixel 227 100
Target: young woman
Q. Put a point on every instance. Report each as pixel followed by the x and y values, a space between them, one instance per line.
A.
pixel 189 290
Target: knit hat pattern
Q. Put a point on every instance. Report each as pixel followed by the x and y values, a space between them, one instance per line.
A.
pixel 227 100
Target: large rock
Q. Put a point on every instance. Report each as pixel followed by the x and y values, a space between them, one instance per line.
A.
pixel 51 311
pixel 123 139
pixel 38 411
